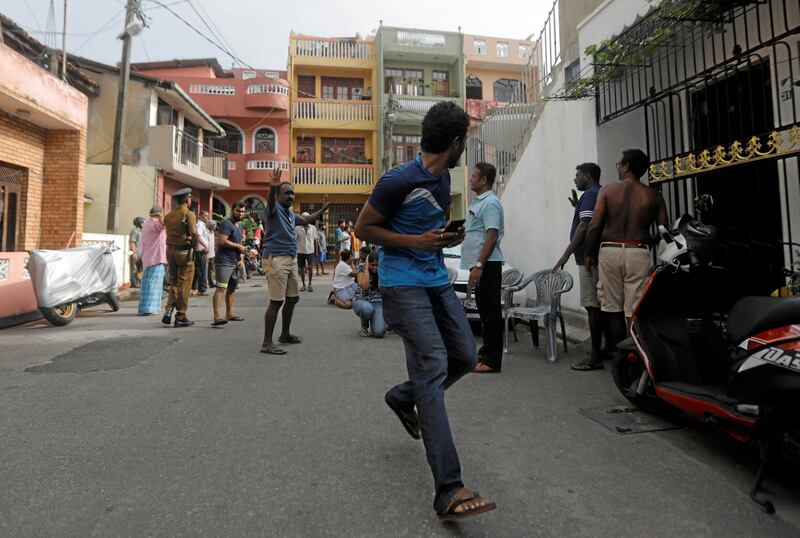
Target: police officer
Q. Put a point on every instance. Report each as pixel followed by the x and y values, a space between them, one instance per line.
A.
pixel 181 225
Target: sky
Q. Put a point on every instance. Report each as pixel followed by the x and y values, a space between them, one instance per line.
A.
pixel 257 31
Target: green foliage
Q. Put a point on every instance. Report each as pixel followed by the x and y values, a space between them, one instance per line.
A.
pixel 248 225
pixel 613 56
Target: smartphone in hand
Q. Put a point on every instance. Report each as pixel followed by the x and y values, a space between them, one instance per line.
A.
pixel 454 225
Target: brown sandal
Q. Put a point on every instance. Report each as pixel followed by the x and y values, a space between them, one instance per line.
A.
pixel 460 498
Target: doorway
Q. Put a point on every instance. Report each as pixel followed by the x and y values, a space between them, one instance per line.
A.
pixel 11 180
pixel 736 107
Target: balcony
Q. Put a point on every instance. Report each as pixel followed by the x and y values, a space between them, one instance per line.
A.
pixel 260 166
pixel 411 109
pixel 267 97
pixel 333 52
pixel 323 178
pixel 187 159
pixel 321 113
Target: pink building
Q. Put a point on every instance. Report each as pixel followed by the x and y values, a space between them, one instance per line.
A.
pixel 252 106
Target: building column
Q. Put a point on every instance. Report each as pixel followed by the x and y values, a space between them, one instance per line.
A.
pixel 63 188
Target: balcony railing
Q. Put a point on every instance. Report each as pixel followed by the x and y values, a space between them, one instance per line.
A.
pixel 339 49
pixel 267 165
pixel 418 39
pixel 188 152
pixel 420 105
pixel 278 89
pixel 320 109
pixel 332 175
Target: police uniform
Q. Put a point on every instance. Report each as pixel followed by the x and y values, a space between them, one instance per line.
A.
pixel 179 223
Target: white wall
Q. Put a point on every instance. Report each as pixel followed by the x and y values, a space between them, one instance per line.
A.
pixel 137 196
pixel 538 214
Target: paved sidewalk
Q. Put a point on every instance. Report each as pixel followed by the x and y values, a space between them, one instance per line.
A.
pixel 123 428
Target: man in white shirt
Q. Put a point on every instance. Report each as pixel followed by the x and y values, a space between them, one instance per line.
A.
pixel 204 238
pixel 306 240
pixel 344 283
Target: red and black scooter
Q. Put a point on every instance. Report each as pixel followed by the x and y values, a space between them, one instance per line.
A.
pixel 707 340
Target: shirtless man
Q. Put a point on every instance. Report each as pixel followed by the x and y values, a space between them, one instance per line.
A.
pixel 620 227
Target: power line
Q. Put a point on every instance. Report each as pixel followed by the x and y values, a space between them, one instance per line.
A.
pixel 105 26
pixel 35 20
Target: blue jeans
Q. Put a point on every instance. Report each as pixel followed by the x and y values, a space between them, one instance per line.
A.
pixel 440 349
pixel 371 314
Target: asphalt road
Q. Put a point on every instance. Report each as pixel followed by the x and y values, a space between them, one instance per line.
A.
pixel 115 426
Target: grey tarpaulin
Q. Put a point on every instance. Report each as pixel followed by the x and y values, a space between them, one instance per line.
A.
pixel 63 276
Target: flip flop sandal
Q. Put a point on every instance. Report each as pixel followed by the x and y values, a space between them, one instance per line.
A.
pixel 273 351
pixel 409 420
pixel 218 322
pixel 587 366
pixel 291 340
pixel 449 513
pixel 236 318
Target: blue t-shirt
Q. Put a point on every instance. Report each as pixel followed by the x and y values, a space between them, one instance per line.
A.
pixel 584 212
pixel 413 202
pixel 281 237
pixel 225 255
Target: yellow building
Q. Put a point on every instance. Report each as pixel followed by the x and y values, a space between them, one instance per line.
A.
pixel 333 127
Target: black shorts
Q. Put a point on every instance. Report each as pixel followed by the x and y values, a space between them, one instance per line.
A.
pixel 305 260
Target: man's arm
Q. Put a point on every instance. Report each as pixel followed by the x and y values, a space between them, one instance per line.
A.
pixel 313 217
pixel 274 185
pixel 662 217
pixel 132 247
pixel 595 230
pixel 475 273
pixel 577 240
pixel 371 228
pixel 223 241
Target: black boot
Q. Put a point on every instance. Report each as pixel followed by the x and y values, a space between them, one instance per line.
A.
pixel 167 319
pixel 183 322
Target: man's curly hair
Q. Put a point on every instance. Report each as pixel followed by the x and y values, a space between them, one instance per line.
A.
pixel 442 124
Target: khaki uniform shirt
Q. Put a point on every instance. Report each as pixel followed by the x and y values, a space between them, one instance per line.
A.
pixel 176 229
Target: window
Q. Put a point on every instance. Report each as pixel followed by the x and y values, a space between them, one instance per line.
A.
pixel 306 150
pixel 524 51
pixel 502 49
pixel 230 142
pixel 265 141
pixel 342 88
pixel 474 87
pixel 255 207
pixel 440 83
pixel 11 180
pixel 165 114
pixel 480 46
pixel 343 151
pixel 504 90
pixel 573 71
pixel 306 86
pixel 405 148
pixel 405 81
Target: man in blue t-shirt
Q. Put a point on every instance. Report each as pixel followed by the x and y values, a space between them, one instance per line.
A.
pixel 406 215
pixel 228 256
pixel 279 254
pixel 587 180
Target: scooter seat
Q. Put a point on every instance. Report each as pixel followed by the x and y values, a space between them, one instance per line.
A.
pixel 752 315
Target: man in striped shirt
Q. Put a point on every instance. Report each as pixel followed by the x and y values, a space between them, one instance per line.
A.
pixel 587 180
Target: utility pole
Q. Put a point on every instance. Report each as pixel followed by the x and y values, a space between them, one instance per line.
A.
pixel 388 128
pixel 116 159
pixel 64 45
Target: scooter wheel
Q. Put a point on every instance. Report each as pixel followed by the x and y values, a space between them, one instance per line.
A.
pixel 626 371
pixel 113 301
pixel 60 315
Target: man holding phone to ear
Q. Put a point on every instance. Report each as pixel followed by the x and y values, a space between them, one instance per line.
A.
pixel 406 215
pixel 481 254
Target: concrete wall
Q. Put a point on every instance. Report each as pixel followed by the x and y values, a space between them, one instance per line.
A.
pixel 102 111
pixel 488 77
pixel 139 192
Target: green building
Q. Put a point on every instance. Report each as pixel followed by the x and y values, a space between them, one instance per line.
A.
pixel 417 69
